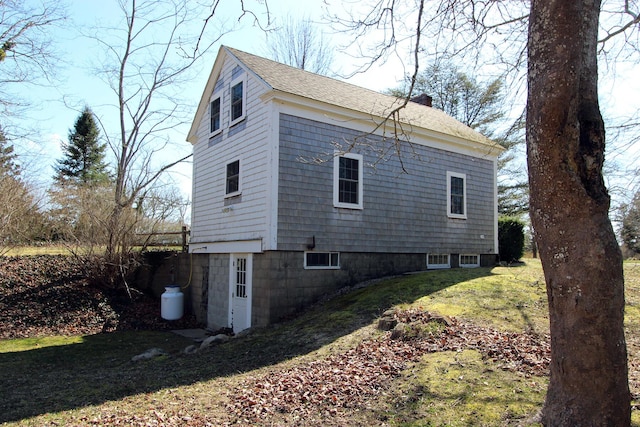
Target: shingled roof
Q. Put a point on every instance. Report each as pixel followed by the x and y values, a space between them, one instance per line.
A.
pixel 318 88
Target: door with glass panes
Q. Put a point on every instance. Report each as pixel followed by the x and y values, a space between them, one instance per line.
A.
pixel 240 270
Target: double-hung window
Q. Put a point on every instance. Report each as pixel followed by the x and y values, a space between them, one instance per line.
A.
pixel 347 181
pixel 456 195
pixel 238 99
pixel 232 186
pixel 215 113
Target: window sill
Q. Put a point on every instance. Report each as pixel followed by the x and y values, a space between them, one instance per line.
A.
pixel 238 120
pixel 455 216
pixel 348 206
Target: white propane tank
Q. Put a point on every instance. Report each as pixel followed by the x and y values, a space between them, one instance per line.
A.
pixel 172 302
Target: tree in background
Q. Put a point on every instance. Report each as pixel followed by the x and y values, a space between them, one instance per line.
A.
pixel 20 218
pixel 630 230
pixel 84 156
pixel 27 54
pixel 481 106
pixel 158 210
pixel 8 165
pixel 78 215
pixel 146 61
pixel 300 44
pixel 147 106
pixel 82 186
pixel 28 58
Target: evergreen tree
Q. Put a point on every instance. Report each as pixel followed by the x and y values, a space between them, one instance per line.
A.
pixel 478 105
pixel 84 156
pixel 8 166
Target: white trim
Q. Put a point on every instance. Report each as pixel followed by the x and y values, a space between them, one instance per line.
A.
pixel 464 195
pixel 236 246
pixel 439 266
pixel 495 206
pixel 226 177
pixel 217 95
pixel 273 166
pixel 249 287
pixel 336 181
pixel 241 79
pixel 468 265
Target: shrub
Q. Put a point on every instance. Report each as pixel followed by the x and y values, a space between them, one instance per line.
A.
pixel 510 239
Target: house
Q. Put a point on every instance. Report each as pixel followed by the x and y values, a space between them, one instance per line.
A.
pixel 301 187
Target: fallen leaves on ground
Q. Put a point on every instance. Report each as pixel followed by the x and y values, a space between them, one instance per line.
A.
pixel 348 379
pixel 51 295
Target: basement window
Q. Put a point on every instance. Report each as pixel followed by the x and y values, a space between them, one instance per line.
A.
pixel 435 261
pixel 322 260
pixel 469 261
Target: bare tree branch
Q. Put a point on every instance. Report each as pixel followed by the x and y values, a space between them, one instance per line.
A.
pixel 27 53
pixel 300 44
pixel 625 27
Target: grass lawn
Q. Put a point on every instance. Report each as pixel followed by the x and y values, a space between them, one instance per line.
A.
pixel 49 249
pixel 91 380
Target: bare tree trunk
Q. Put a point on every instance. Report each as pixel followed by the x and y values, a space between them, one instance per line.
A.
pixel 569 209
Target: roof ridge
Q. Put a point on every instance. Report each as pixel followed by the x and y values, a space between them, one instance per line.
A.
pixel 331 91
pixel 300 70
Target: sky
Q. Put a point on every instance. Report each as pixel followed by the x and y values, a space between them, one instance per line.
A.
pixel 57 107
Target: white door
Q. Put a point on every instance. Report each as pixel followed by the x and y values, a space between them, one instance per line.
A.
pixel 240 269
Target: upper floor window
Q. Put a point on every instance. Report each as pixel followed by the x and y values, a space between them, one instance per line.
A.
pixel 233 179
pixel 215 114
pixel 347 181
pixel 456 195
pixel 238 99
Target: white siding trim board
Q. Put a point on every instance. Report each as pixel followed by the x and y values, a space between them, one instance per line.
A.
pixel 270 241
pixel 238 246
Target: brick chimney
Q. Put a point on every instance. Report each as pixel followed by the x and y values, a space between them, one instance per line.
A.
pixel 423 99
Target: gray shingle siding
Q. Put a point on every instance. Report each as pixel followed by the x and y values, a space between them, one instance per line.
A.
pixel 404 212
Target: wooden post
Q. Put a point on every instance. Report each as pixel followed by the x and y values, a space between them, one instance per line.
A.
pixel 184 238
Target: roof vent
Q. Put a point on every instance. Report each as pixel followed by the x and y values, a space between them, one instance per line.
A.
pixel 423 99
